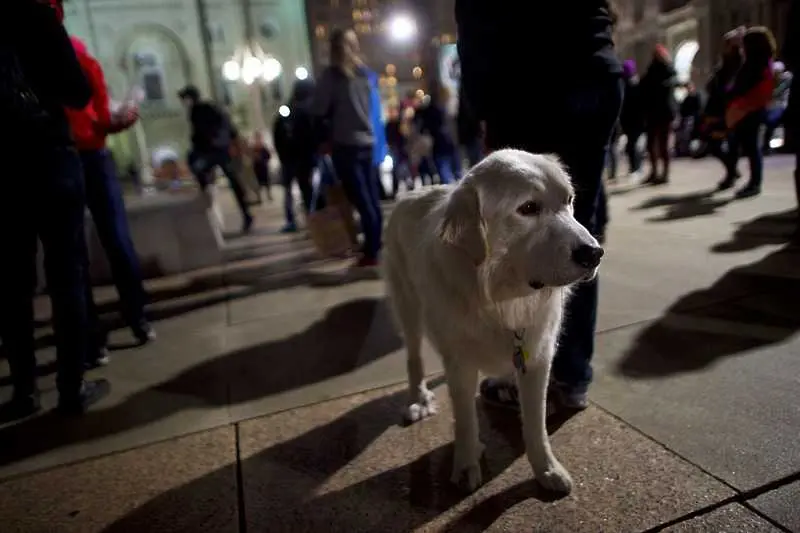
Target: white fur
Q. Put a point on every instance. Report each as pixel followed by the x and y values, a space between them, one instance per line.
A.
pixel 461 263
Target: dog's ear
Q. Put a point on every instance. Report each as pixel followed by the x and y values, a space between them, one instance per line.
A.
pixel 463 225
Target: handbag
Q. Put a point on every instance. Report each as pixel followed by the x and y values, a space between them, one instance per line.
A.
pixel 331 228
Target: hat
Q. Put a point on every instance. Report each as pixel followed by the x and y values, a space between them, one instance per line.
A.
pixel 629 68
pixel 191 92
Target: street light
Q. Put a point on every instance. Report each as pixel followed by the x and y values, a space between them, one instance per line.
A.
pixel 284 111
pixel 254 68
pixel 402 28
pixel 301 73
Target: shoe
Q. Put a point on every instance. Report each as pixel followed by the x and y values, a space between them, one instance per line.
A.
pixel 101 358
pixel 289 228
pixel 91 392
pixel 503 394
pixel 651 179
pixel 367 262
pixel 748 192
pixel 566 397
pixel 500 393
pixel 19 407
pixel 144 332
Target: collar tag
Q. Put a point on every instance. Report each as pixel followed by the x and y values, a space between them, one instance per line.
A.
pixel 520 356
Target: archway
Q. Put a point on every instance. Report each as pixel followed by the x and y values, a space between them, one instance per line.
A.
pixel 683 62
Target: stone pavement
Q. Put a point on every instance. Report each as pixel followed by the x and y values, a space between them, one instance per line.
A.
pixel 271 400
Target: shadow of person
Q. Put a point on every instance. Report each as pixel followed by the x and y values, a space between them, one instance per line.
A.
pixel 350 335
pixel 765 230
pixel 747 308
pixel 678 207
pixel 301 484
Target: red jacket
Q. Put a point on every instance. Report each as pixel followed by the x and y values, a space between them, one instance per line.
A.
pixel 91 125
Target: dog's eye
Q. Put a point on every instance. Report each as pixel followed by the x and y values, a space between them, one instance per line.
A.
pixel 529 209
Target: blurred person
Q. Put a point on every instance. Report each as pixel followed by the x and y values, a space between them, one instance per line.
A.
pixel 778 104
pixel 470 133
pixel 39 76
pixel 658 98
pixel 261 159
pixel 791 55
pixel 631 118
pixel 718 88
pixel 296 145
pixel 90 126
pixel 689 110
pixel 432 120
pixel 748 99
pixel 380 147
pixel 213 138
pixel 343 102
pixel 397 140
pixel 584 88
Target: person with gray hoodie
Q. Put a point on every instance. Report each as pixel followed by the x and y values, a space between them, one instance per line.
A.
pixel 342 106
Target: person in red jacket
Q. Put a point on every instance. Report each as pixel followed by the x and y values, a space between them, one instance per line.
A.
pixel 746 109
pixel 90 126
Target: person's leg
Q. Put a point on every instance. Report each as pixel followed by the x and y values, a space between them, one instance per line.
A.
pixel 354 169
pixel 663 150
pixel 731 160
pixel 652 152
pixel 105 202
pixel 17 281
pixel 444 167
pixel 287 177
pixel 229 169
pixel 748 134
pixel 305 172
pixel 61 229
pixel 612 155
pixel 474 152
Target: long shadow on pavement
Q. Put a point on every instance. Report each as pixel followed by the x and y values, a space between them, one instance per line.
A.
pixel 765 230
pixel 284 485
pixel 337 344
pixel 682 206
pixel 756 309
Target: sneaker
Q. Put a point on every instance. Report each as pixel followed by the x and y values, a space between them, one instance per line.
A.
pixel 247 225
pixel 289 228
pixel 101 358
pixel 91 392
pixel 19 407
pixel 565 397
pixel 504 394
pixel 144 332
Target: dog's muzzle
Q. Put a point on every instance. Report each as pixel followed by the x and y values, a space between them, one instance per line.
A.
pixel 587 256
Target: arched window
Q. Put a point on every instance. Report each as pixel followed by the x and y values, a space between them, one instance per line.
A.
pixel 150 74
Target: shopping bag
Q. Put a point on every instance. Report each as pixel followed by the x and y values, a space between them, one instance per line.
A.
pixel 331 228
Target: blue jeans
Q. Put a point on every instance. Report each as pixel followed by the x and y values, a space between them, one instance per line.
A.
pixel 353 165
pixel 744 140
pixel 595 105
pixel 104 199
pixel 448 166
pixel 202 165
pixel 44 196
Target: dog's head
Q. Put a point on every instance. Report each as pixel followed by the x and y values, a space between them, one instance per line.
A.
pixel 512 215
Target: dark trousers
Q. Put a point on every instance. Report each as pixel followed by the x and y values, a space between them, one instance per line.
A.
pixel 44 196
pixel 104 199
pixel 744 140
pixel 658 146
pixel 583 151
pixel 474 151
pixel 632 150
pixel 302 172
pixel 202 165
pixel 353 166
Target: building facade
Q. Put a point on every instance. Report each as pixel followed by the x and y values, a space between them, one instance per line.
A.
pixel 691 30
pixel 403 66
pixel 160 46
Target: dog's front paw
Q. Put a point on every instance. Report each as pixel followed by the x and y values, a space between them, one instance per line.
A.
pixel 423 408
pixel 555 478
pixel 467 468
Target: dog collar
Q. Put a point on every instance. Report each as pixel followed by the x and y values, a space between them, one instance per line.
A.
pixel 520 356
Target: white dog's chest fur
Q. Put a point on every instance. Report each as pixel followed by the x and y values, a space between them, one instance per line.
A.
pixel 455 319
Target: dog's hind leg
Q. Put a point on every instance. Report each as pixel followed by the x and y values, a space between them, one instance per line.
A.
pixel 422 402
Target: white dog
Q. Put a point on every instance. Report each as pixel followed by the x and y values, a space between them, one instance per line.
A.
pixel 483 270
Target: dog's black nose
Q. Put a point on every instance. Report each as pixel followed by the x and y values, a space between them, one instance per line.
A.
pixel 587 256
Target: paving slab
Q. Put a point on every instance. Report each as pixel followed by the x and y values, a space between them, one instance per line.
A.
pixel 718 385
pixel 347 465
pixel 781 505
pixel 132 492
pixel 733 518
